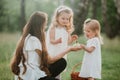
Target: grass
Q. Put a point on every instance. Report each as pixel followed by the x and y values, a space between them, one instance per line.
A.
pixel 7 46
pixel 110 57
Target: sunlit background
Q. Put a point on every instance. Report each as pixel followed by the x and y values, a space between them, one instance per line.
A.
pixel 15 13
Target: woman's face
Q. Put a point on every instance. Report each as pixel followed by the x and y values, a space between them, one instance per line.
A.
pixel 63 19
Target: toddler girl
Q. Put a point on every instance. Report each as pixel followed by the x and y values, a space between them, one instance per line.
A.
pixel 91 65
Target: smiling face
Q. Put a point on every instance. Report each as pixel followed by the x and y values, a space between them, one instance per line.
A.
pixel 88 32
pixel 63 19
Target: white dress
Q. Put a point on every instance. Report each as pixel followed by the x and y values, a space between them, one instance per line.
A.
pixel 91 65
pixel 32 63
pixel 54 49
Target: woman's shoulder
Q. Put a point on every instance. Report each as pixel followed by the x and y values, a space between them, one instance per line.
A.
pixel 33 38
pixel 32 43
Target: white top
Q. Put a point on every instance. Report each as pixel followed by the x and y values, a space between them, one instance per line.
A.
pixel 32 63
pixel 91 65
pixel 54 49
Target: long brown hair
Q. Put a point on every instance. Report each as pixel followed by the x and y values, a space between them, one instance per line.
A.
pixel 35 26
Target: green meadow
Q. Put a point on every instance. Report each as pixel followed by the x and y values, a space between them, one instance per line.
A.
pixel 110 57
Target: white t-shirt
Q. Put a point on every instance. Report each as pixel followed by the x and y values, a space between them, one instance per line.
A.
pixel 32 63
pixel 91 65
pixel 54 49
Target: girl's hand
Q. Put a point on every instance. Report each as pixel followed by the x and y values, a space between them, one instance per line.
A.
pixel 56 41
pixel 59 40
pixel 74 37
pixel 68 24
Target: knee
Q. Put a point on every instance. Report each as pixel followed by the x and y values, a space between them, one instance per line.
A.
pixel 63 62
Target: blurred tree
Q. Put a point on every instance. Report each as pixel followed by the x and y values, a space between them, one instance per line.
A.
pixel 95 4
pixel 2 16
pixel 107 12
pixel 104 11
pixel 80 15
pixel 61 2
pixel 72 3
pixel 94 8
pixel 117 4
pixel 110 20
pixel 23 20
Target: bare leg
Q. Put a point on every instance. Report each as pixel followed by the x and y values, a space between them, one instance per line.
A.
pixel 90 78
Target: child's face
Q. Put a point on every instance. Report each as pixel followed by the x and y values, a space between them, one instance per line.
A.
pixel 63 19
pixel 89 33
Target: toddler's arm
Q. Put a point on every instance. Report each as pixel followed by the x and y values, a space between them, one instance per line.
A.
pixel 88 49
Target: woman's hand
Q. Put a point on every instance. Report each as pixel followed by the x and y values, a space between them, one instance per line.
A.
pixel 75 48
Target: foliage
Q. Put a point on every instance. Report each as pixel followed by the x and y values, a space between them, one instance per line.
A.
pixel 2 15
pixel 12 9
pixel 10 13
pixel 114 21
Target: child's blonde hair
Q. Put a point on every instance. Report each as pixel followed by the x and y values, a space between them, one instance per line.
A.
pixel 94 25
pixel 57 12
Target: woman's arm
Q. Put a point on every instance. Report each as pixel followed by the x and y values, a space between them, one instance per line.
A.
pixel 60 55
pixel 52 37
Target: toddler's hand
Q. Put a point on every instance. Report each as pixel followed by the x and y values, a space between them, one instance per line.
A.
pixel 82 46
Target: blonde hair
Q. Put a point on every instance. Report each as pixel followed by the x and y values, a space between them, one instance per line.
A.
pixel 57 12
pixel 94 25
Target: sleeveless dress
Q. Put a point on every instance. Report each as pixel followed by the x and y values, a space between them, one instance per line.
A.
pixel 32 63
pixel 91 64
pixel 54 49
